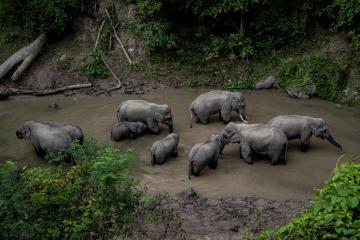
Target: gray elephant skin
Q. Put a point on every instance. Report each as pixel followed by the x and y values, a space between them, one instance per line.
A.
pixel 257 138
pixel 149 113
pixel 48 137
pixel 204 154
pixel 303 127
pixel 213 102
pixel 74 131
pixel 164 148
pixel 124 130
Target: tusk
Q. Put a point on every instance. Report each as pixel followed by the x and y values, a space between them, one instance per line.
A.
pixel 242 119
pixel 247 117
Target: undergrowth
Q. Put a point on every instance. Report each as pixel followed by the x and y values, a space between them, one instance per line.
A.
pixel 335 212
pixel 94 199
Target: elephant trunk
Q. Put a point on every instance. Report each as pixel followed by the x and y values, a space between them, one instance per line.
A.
pixel 331 140
pixel 19 134
pixel 171 126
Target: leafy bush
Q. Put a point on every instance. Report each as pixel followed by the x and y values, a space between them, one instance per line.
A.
pixel 93 66
pixel 335 213
pixel 37 16
pixel 94 198
pixel 327 76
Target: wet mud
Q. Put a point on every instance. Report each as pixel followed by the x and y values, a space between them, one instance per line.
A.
pixel 232 178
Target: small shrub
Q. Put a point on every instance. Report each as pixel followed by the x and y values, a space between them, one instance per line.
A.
pixel 322 72
pixel 94 66
pixel 335 213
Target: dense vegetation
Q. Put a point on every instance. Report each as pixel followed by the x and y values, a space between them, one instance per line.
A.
pixel 335 213
pixel 240 28
pixel 96 198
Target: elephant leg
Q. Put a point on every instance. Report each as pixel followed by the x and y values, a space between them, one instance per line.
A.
pixel 246 153
pixel 305 141
pixel 153 126
pixel 213 164
pixel 274 156
pixel 174 154
pixel 225 112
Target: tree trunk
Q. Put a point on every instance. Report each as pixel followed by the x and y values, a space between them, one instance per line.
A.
pixel 26 55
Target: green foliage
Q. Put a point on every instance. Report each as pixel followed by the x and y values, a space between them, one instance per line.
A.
pixel 323 72
pixel 345 15
pixel 93 199
pixel 37 16
pixel 213 29
pixel 94 66
pixel 335 213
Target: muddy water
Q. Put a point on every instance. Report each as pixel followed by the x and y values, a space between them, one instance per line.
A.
pixel 233 177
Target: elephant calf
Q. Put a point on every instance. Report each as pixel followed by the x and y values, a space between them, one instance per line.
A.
pixel 205 154
pixel 258 138
pixel 213 102
pixel 163 148
pixel 124 130
pixel 303 127
pixel 49 137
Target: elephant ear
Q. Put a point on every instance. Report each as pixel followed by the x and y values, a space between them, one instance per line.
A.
pixel 319 127
pixel 158 116
pixel 27 134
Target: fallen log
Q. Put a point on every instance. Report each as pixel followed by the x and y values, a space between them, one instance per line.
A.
pixel 20 91
pixel 26 55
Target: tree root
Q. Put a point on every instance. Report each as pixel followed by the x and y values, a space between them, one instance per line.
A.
pixel 26 55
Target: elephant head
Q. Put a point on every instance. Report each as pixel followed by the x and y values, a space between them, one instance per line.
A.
pixel 231 133
pixel 219 140
pixel 24 131
pixel 163 115
pixel 320 129
pixel 238 104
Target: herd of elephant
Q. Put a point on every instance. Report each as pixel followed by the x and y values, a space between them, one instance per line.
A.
pixel 137 117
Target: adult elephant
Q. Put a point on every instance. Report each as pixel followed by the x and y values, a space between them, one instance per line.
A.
pixel 213 102
pixel 257 138
pixel 149 113
pixel 303 127
pixel 45 138
pixel 74 131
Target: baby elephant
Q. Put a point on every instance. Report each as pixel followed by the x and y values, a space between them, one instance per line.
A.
pixel 163 148
pixel 124 130
pixel 205 154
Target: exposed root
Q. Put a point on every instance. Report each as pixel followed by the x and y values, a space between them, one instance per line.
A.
pixel 118 86
pixel 26 55
pixel 118 38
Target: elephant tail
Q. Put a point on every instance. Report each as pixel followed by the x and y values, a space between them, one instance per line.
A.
pixel 191 112
pixel 153 159
pixel 283 155
pixel 191 167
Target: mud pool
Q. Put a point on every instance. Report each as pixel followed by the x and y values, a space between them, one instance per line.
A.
pixel 232 178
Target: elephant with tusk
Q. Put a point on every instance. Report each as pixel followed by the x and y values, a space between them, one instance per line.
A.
pixel 303 127
pixel 146 112
pixel 213 102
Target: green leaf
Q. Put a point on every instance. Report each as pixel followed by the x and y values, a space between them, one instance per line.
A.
pixel 353 202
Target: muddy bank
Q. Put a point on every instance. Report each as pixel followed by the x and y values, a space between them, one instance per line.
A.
pixel 230 218
pixel 232 178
